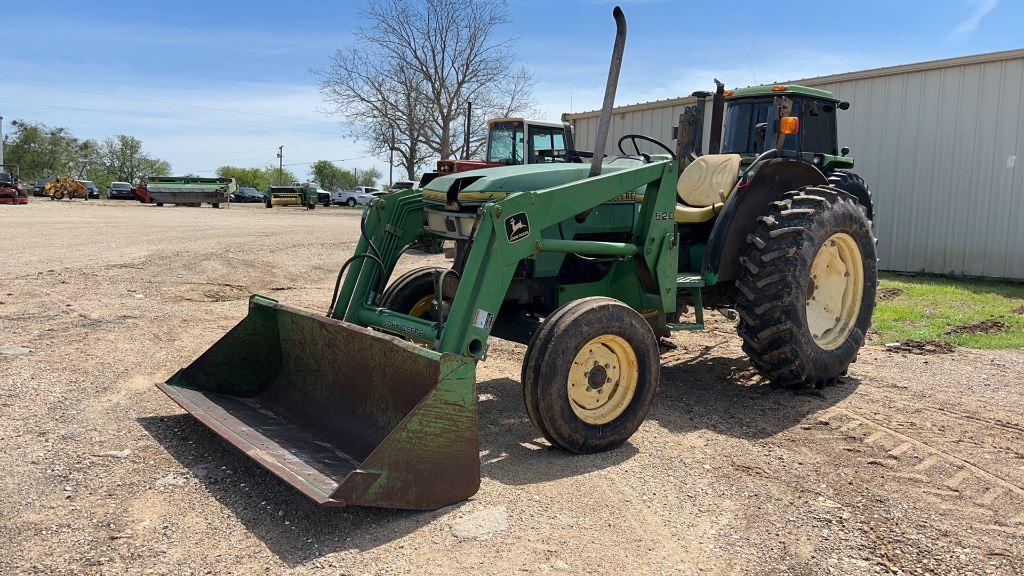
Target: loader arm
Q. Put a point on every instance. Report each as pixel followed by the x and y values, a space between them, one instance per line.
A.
pixel 507 231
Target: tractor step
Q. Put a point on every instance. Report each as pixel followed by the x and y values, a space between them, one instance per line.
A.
pixel 689 281
pixel 692 283
pixel 692 326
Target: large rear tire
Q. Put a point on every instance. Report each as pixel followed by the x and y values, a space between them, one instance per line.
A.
pixel 590 375
pixel 851 183
pixel 807 287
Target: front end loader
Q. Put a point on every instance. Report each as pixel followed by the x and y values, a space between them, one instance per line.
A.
pixel 66 187
pixel 373 402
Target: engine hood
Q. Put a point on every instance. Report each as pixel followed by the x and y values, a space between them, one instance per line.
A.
pixel 496 183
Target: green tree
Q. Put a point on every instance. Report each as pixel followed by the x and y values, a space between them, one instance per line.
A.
pixel 41 151
pixel 122 158
pixel 368 177
pixel 252 177
pixel 330 176
pixel 327 174
pixel 277 177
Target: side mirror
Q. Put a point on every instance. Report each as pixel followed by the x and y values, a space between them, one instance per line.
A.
pixel 761 132
pixel 844 150
pixel 844 105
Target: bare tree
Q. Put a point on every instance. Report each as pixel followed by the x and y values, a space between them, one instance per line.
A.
pixel 409 72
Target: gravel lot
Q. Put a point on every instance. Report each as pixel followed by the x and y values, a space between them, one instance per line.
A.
pixel 913 465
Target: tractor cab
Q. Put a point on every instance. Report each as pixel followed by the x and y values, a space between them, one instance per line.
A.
pixel 514 142
pixel 747 127
pixel 798 121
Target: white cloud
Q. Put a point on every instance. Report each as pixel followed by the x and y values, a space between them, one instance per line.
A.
pixel 967 27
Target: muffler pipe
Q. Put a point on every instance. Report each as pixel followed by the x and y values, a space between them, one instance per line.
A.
pixel 717 118
pixel 609 92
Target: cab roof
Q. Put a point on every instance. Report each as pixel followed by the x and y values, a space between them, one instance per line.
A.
pixel 494 121
pixel 779 90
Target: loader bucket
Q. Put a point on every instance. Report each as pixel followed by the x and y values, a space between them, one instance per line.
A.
pixel 347 415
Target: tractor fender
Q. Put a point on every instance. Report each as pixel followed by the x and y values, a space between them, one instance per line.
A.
pixel 748 202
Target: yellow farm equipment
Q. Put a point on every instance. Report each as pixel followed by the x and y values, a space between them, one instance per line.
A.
pixel 66 187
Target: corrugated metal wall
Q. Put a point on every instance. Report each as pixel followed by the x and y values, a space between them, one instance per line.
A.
pixel 941 147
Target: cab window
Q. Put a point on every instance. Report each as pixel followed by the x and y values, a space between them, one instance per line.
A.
pixel 547 144
pixel 818 126
pixel 741 120
pixel 505 143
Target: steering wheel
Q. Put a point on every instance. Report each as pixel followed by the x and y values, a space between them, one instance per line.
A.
pixel 647 157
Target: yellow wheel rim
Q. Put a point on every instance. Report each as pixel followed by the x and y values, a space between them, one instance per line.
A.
pixel 834 291
pixel 602 379
pixel 422 307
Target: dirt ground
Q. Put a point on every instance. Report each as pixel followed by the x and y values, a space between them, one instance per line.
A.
pixel 912 465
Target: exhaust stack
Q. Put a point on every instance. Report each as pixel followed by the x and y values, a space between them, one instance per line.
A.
pixel 609 92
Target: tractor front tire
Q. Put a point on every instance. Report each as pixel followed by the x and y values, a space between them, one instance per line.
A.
pixel 590 375
pixel 413 293
pixel 807 287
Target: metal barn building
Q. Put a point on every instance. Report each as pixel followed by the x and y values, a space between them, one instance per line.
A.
pixel 940 143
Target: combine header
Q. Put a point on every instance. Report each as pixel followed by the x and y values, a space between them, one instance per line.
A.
pixel 373 402
pixel 185 190
pixel 297 195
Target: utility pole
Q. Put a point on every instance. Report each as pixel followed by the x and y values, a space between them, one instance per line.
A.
pixel 1 139
pixel 391 161
pixel 280 165
pixel 469 126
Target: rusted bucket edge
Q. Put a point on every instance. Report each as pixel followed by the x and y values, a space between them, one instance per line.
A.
pixel 265 301
pixel 251 451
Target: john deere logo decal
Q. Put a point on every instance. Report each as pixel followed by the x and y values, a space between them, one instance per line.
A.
pixel 517 227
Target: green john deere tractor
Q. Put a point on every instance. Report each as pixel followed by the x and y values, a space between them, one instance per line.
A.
pixel 374 401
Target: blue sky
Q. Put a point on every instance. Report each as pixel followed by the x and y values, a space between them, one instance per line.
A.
pixel 210 83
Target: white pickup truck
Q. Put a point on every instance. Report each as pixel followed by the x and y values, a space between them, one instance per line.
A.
pixel 360 195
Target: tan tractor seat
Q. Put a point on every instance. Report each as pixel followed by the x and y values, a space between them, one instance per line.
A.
pixel 693 215
pixel 705 182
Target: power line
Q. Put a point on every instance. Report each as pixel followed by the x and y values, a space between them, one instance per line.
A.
pixel 246 151
pixel 290 164
pixel 314 162
pixel 156 101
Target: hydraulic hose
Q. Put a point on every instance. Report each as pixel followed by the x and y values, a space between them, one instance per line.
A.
pixel 376 257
